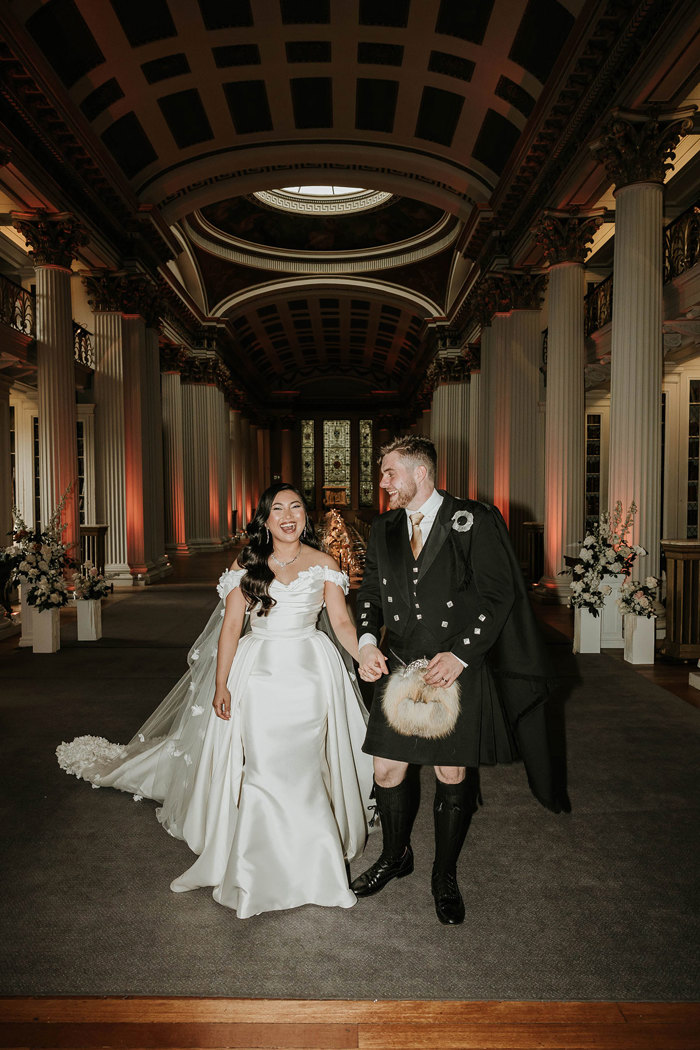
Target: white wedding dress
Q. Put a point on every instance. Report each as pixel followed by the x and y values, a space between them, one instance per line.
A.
pixel 276 799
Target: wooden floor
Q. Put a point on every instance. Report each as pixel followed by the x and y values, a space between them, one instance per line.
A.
pixel 131 1023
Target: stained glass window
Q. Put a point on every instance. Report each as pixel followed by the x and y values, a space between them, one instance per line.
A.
pixel 336 454
pixel 366 457
pixel 692 517
pixel 308 470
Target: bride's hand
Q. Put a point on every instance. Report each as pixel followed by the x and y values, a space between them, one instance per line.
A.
pixel 222 704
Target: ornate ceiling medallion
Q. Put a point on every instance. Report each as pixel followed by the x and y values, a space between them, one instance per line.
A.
pixel 322 200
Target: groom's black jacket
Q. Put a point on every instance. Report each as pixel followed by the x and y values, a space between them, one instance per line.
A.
pixel 465 595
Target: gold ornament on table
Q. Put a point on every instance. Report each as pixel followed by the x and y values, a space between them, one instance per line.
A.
pixel 344 543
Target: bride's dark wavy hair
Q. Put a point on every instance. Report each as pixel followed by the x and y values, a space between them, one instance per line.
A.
pixel 255 585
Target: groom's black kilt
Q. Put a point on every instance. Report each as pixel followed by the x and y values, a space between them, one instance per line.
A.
pixel 464 595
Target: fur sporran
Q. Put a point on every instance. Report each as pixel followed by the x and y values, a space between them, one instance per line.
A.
pixel 413 708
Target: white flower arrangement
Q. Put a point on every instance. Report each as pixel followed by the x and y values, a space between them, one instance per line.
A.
pixel 604 552
pixel 39 559
pixel 638 598
pixel 462 520
pixel 89 584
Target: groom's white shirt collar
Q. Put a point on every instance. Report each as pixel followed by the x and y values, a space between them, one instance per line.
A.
pixel 429 510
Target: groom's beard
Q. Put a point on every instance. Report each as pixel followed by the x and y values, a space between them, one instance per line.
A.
pixel 403 498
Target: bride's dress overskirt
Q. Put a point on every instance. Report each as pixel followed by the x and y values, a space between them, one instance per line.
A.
pixel 275 799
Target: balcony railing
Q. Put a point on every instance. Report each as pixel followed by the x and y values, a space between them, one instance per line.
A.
pixel 16 307
pixel 681 253
pixel 682 243
pixel 82 346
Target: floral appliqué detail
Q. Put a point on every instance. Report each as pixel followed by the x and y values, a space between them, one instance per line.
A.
pixel 462 520
pixel 196 709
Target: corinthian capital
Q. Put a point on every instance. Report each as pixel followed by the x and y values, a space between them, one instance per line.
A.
pixel 126 293
pixel 638 146
pixel 519 291
pixel 54 237
pixel 564 236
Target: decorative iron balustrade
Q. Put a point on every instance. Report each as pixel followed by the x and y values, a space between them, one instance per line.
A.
pixel 82 346
pixel 17 307
pixel 597 306
pixel 682 243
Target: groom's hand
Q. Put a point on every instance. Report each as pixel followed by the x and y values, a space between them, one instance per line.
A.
pixel 372 663
pixel 443 669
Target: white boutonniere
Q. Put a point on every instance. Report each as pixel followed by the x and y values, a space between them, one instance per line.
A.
pixel 462 520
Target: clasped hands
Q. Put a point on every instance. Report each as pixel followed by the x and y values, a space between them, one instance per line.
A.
pixel 443 669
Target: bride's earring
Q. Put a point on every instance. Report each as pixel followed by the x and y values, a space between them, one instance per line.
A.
pixel 267 534
pixel 303 532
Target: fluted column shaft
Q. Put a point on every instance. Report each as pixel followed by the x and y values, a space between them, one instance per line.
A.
pixel 5 461
pixel 173 457
pixel 236 471
pixel 246 497
pixel 484 447
pixel 475 425
pixel 636 363
pixel 110 439
pixel 449 425
pixel 156 484
pixel 564 432
pixel 206 462
pixel 58 451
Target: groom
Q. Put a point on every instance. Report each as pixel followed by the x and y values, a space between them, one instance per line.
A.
pixel 441 575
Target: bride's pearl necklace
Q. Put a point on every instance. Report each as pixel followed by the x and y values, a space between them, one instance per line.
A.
pixel 282 564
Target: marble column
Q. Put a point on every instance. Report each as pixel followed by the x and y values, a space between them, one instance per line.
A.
pixel 236 466
pixel 129 426
pixel 173 458
pixel 449 422
pixel 54 240
pixel 5 462
pixel 206 461
pixel 483 449
pixel 513 400
pixel 246 495
pixel 636 149
pixel 564 237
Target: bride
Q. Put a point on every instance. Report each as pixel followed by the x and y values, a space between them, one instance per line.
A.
pixel 270 788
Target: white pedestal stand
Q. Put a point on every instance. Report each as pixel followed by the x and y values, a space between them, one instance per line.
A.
pixel 26 618
pixel 611 617
pixel 586 631
pixel 640 634
pixel 46 630
pixel 89 619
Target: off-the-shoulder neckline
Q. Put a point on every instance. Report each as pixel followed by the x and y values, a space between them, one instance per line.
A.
pixel 302 572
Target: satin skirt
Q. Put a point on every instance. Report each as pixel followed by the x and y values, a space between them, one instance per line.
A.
pixel 272 838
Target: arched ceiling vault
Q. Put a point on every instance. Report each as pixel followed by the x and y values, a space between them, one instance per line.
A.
pixel 157 122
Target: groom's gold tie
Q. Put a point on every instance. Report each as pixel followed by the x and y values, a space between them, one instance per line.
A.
pixel 416 534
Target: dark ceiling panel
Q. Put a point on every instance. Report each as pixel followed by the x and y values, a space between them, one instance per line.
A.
pixel 466 19
pixel 101 98
pixel 236 55
pixel 540 37
pixel 516 95
pixel 129 144
pixel 378 54
pixel 63 35
pixel 438 115
pixel 384 13
pixel 451 65
pixel 312 100
pixel 247 102
pixel 226 14
pixel 305 12
pixel 376 104
pixel 186 117
pixel 495 141
pixel 144 23
pixel 165 68
pixel 308 50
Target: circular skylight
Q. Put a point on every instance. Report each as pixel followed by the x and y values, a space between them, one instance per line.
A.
pixel 322 200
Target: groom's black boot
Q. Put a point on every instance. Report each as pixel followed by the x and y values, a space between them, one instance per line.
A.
pixel 452 810
pixel 396 810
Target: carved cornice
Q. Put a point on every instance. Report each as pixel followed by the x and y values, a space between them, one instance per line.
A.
pixel 472 355
pixel 54 237
pixel 565 236
pixel 172 358
pixel 126 293
pixel 207 369
pixel 638 146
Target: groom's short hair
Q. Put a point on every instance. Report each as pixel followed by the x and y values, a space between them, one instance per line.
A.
pixel 419 449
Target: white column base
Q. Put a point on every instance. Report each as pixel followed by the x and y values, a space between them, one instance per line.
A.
pixel 694 679
pixel 89 619
pixel 611 618
pixel 586 631
pixel 640 635
pixel 46 630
